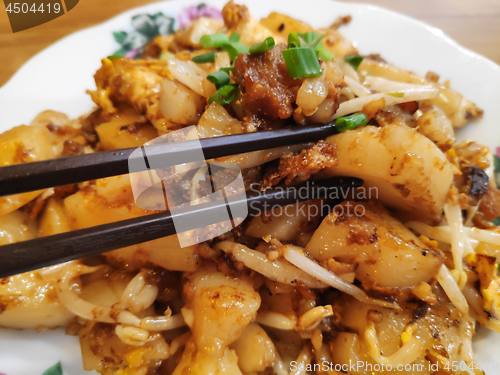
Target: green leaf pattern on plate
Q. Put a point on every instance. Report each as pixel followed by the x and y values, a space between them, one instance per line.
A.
pixel 148 26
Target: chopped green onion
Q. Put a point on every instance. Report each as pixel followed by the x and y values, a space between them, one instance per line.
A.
pixel 114 57
pixel 311 39
pixel 54 370
pixel 496 221
pixel 206 58
pixel 234 49
pixel 324 54
pixel 308 37
pixel 214 40
pixel 350 122
pixel 224 95
pixel 396 94
pixel 219 79
pixel 234 38
pixel 227 70
pixel 293 41
pixel 354 61
pixel 262 47
pixel 301 63
pixel 498 267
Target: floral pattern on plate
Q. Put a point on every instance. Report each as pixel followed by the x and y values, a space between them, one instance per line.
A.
pixel 146 27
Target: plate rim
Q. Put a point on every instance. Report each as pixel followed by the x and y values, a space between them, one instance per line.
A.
pixel 435 30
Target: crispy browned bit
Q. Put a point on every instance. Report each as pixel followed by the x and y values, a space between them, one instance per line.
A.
pixel 233 14
pixel 340 21
pixel 22 156
pixel 410 107
pixel 480 221
pixel 267 90
pixel 300 167
pixel 168 284
pixel 151 50
pixel 366 237
pixel 90 123
pixel 59 130
pixel 490 204
pixel 227 265
pixel 477 183
pixel 63 191
pixel 393 114
pixel 71 148
pixel 99 338
pixel 419 312
pixel 470 153
pixel 398 295
pixel 38 205
pixel 431 76
pixel 472 160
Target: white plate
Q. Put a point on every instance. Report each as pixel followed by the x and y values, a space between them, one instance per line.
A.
pixel 58 77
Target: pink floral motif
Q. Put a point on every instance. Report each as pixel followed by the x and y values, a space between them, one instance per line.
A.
pixel 130 54
pixel 189 14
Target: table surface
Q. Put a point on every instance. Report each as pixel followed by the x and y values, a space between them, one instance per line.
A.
pixel 474 24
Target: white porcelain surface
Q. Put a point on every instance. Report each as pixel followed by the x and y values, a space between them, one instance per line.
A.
pixel 58 77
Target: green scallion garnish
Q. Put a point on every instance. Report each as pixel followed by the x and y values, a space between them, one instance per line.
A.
pixel 312 39
pixel 294 41
pixel 262 47
pixel 396 94
pixel 496 221
pixel 354 61
pixel 234 38
pixel 308 37
pixel 498 267
pixel 234 49
pixel 224 95
pixel 205 58
pixel 214 40
pixel 114 57
pixel 324 54
pixel 227 70
pixel 350 122
pixel 219 79
pixel 301 63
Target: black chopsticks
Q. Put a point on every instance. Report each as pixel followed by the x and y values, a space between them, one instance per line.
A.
pixel 41 252
pixel 21 178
